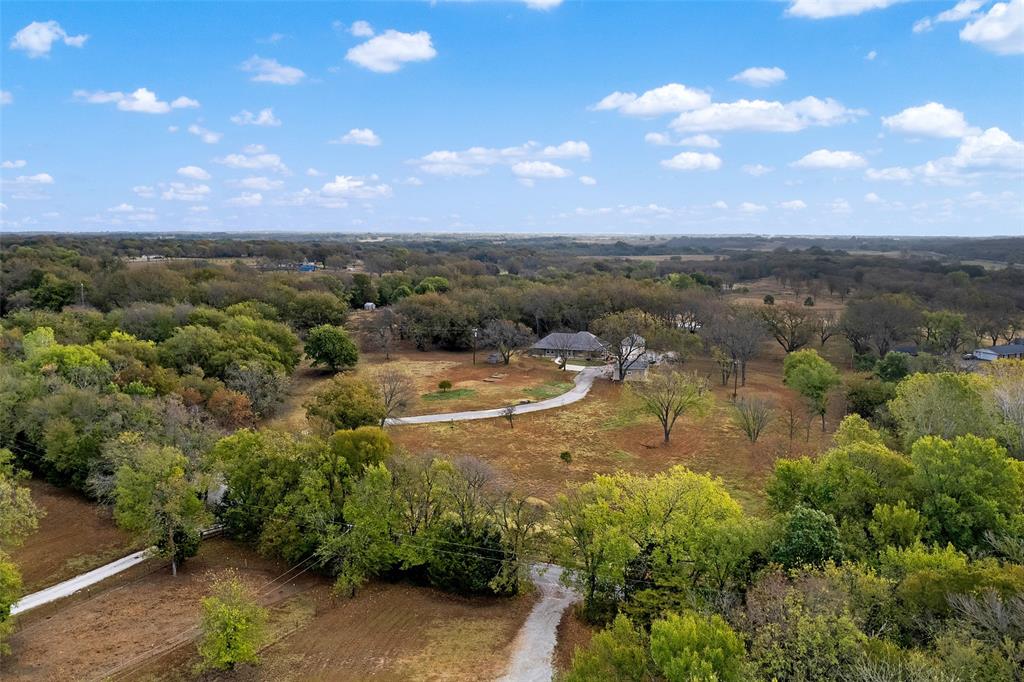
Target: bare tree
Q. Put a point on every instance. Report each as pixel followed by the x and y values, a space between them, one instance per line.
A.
pixel 825 325
pixel 506 337
pixel 752 416
pixel 627 334
pixel 397 391
pixel 509 413
pixel 384 329
pixel 791 325
pixel 740 333
pixel 668 394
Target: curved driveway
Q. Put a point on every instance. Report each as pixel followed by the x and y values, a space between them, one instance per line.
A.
pixel 583 380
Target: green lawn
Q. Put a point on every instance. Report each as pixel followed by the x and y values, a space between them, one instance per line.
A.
pixel 548 389
pixel 453 394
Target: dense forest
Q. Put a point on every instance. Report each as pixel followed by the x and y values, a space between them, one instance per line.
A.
pixel 898 554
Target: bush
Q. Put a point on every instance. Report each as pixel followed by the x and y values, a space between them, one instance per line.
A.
pixel 347 403
pixel 809 537
pixel 444 385
pixel 694 648
pixel 769 299
pixel 331 346
pixel 451 568
pixel 232 625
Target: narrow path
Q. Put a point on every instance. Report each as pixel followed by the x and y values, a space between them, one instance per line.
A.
pixel 534 648
pixel 79 582
pixel 583 380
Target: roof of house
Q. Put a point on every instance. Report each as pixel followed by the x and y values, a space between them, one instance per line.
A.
pixel 1005 349
pixel 566 341
pixel 638 365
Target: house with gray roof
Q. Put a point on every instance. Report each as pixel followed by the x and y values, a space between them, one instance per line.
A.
pixel 570 346
pixel 1009 351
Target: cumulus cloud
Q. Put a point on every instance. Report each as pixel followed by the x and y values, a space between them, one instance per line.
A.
pixel 587 180
pixel 37 39
pixel 264 117
pixel 180 191
pixel 931 119
pixel 668 99
pixel 688 161
pixel 870 56
pixel 142 101
pixel 663 140
pixel 840 206
pixel 794 205
pixel 355 188
pixel 391 50
pixel 270 71
pixel 207 136
pixel 361 29
pixel 144 191
pixel 826 9
pixel 994 149
pixel 542 5
pixel 193 172
pixel 539 170
pixel 254 157
pixel 568 150
pixel 961 11
pixel 1000 30
pixel 826 158
pixel 37 179
pixel 766 116
pixel 246 200
pixel 760 76
pixel 872 198
pixel 363 136
pixel 757 169
pixel 17 163
pixel 751 207
pixel 313 172
pixel 260 183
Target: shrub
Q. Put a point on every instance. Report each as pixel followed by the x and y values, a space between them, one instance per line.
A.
pixel 752 416
pixel 809 537
pixel 232 625
pixel 444 385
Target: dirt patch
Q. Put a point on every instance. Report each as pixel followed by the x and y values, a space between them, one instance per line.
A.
pixel 573 634
pixel 131 619
pixel 75 536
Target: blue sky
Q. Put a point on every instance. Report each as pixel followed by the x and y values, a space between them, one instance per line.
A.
pixel 804 116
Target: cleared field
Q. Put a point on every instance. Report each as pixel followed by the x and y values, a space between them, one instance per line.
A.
pixel 75 536
pixel 474 387
pixel 756 291
pixel 607 431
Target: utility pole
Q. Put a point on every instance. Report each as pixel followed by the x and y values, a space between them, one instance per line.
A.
pixel 475 333
pixel 81 290
pixel 735 377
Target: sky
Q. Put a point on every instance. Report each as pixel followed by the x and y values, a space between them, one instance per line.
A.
pixel 823 117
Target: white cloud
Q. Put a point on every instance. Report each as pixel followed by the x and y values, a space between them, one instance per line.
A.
pixel 260 183
pixel 826 9
pixel 872 198
pixel 122 208
pixel 254 157
pixel 760 76
pixel 720 205
pixel 587 180
pixel 961 11
pixel 17 163
pixel 993 148
pixel 361 29
pixel 826 158
pixel 542 5
pixel 193 172
pixel 477 160
pixel 693 161
pixel 840 206
pixel 568 150
pixel 931 119
pixel 668 99
pixel 355 188
pixel 1000 30
pixel 270 71
pixel 6 97
pixel 38 38
pixel 37 179
pixel 363 136
pixel 757 169
pixel 892 173
pixel 207 136
pixel 144 191
pixel 246 199
pixel 179 191
pixel 131 213
pixel 663 140
pixel 765 115
pixel 142 101
pixel 870 56
pixel 794 205
pixel 264 117
pixel 185 103
pixel 539 169
pixel 751 207
pixel 391 50
pixel 313 172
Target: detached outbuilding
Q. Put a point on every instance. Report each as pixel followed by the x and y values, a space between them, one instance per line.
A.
pixel 1008 351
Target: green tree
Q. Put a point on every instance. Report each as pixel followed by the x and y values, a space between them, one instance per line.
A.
pixel 893 367
pixel 692 648
pixel 155 500
pixel 809 537
pixel 331 346
pixel 966 487
pixel 347 403
pixel 945 405
pixel 812 377
pixel 363 290
pixel 310 309
pixel 10 592
pixel 618 653
pixel 232 627
pixel 668 394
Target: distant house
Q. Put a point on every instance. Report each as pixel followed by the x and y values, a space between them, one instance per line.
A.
pixel 636 370
pixel 573 346
pixel 1009 351
pixel 369 305
pixel 306 266
pixel 908 349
